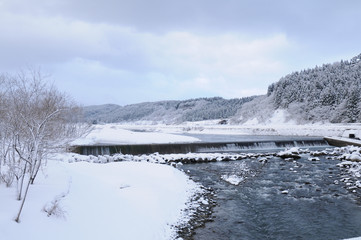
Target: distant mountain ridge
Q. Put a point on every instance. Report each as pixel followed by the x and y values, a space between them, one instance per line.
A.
pixel 170 112
pixel 329 93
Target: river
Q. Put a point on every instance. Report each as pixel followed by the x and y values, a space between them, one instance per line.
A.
pixel 278 199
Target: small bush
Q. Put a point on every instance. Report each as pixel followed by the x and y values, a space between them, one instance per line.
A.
pixel 7 177
pixel 54 208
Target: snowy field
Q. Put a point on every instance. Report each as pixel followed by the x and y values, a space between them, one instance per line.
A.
pixel 117 134
pixel 125 200
pixel 140 133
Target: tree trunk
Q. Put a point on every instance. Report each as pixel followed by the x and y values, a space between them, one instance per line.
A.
pixel 22 182
pixel 17 219
pixel 36 171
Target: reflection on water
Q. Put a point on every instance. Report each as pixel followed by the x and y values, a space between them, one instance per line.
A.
pixel 278 199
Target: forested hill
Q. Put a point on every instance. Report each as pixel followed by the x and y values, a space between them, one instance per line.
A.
pixel 166 111
pixel 331 92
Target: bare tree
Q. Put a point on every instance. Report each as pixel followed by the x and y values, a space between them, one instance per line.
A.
pixel 35 118
pixel 4 143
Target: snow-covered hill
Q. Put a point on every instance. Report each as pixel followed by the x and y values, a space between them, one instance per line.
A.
pixel 329 93
pixel 166 111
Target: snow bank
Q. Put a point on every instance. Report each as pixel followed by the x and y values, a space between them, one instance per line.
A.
pixel 116 134
pixel 125 200
pixel 171 159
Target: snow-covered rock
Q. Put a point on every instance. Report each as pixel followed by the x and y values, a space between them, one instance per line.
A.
pixel 232 179
pixel 290 153
pixel 345 164
pixel 313 159
pixel 355 156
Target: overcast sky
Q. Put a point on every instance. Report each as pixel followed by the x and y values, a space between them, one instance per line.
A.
pixel 130 51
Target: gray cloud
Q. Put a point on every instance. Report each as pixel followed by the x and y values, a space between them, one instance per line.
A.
pixel 203 15
pixel 155 50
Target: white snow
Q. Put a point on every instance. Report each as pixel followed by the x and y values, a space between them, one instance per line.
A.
pixel 251 128
pixel 123 200
pixel 251 122
pixel 313 159
pixel 350 141
pixel 133 200
pixel 355 156
pixel 130 200
pixel 292 152
pixel 115 134
pixel 280 116
pixel 232 179
pixel 355 132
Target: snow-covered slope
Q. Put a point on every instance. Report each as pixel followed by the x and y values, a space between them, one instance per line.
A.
pixel 124 200
pixel 329 93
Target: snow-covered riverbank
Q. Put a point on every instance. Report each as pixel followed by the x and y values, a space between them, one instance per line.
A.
pixel 125 200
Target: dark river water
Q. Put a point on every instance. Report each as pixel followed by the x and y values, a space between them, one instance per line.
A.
pixel 278 199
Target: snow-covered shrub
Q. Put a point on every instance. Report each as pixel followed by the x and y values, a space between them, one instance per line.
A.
pixel 7 177
pixel 54 207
